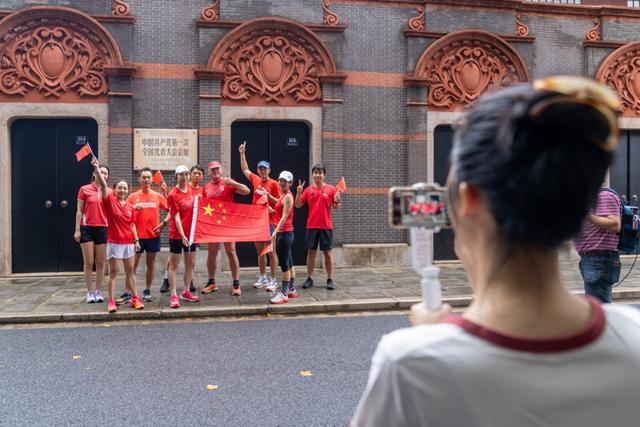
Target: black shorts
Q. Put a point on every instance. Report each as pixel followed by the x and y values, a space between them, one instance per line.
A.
pixel 322 237
pixel 90 233
pixel 150 245
pixel 176 247
pixel 284 242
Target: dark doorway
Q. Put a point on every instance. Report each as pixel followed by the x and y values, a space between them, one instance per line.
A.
pixel 624 173
pixel 45 179
pixel 443 137
pixel 286 146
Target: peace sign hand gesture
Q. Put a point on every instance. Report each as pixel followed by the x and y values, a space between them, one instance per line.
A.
pixel 300 186
pixel 243 147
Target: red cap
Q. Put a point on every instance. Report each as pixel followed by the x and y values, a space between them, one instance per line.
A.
pixel 214 164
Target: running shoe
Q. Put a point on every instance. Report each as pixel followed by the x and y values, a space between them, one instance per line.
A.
pixel 192 288
pixel 235 291
pixel 91 298
pixel 211 287
pixel 174 302
pixel 291 292
pixel 280 298
pixel 188 296
pixel 111 306
pixel 330 285
pixel 146 295
pixel 124 298
pixel 308 283
pixel 98 296
pixel 165 286
pixel 136 303
pixel 271 287
pixel 261 283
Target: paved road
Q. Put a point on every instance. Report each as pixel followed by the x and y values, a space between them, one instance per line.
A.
pixel 157 374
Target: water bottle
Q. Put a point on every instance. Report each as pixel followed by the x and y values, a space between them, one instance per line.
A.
pixel 431 290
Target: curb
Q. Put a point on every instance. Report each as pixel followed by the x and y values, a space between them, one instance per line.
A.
pixel 319 307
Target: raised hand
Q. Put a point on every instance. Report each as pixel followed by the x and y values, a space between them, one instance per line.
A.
pixel 300 186
pixel 243 147
pixel 95 163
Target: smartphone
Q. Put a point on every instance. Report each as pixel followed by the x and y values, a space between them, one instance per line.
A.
pixel 421 205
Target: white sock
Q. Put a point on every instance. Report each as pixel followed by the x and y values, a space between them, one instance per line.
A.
pixel 166 274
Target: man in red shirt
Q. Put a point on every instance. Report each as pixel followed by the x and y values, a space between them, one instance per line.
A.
pixel 263 184
pixel 148 204
pixel 222 188
pixel 321 197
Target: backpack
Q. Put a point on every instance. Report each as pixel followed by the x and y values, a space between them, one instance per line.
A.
pixel 629 234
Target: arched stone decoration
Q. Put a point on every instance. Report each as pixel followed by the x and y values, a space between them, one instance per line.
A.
pixel 54 54
pixel 463 65
pixel 621 71
pixel 272 61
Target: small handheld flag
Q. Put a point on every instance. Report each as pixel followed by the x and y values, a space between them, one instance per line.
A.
pixel 342 186
pixel 83 152
pixel 158 178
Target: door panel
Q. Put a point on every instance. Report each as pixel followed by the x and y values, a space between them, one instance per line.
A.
pixel 443 240
pixel 33 183
pixel 619 171
pixel 72 175
pixel 634 170
pixel 286 146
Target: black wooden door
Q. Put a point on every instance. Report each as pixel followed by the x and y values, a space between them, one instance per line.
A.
pixel 624 175
pixel 286 146
pixel 443 137
pixel 44 186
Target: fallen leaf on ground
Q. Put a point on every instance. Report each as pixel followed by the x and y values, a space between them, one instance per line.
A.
pixel 77 357
pixel 212 387
pixel 306 373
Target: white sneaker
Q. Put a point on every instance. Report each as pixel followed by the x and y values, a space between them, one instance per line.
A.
pixel 271 286
pixel 98 296
pixel 280 298
pixel 91 298
pixel 261 283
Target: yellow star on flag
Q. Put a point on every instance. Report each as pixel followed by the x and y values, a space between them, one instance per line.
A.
pixel 208 209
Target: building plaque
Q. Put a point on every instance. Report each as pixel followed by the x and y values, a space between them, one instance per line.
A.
pixel 164 149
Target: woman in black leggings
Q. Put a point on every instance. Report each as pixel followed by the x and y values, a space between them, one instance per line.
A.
pixel 283 236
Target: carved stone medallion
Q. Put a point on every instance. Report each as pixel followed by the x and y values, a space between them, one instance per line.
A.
pixel 621 71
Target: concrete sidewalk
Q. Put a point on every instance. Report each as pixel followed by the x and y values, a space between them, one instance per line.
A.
pixel 61 299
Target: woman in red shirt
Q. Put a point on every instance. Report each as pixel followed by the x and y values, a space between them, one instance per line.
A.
pixel 122 237
pixel 91 233
pixel 283 236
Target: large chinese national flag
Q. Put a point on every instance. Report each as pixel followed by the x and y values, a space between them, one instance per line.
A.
pixel 215 221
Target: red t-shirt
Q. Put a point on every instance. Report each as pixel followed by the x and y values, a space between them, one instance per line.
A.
pixel 120 218
pixel 271 186
pixel 147 206
pixel 181 203
pixel 279 208
pixel 93 213
pixel 219 191
pixel 320 201
pixel 197 191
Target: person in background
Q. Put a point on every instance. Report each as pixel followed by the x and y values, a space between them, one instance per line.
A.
pixel 283 238
pixel 526 165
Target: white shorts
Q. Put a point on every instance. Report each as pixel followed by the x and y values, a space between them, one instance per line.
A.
pixel 120 251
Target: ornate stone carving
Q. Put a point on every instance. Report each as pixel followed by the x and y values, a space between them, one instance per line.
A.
pixel 119 8
pixel 418 23
pixel 271 61
pixel 273 67
pixel 211 13
pixel 621 71
pixel 460 67
pixel 330 18
pixel 521 29
pixel 47 53
pixel 595 34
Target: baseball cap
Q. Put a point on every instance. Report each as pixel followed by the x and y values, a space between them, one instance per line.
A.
pixel 286 175
pixel 264 164
pixel 214 164
pixel 181 169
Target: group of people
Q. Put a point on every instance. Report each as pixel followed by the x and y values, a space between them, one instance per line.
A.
pixel 113 225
